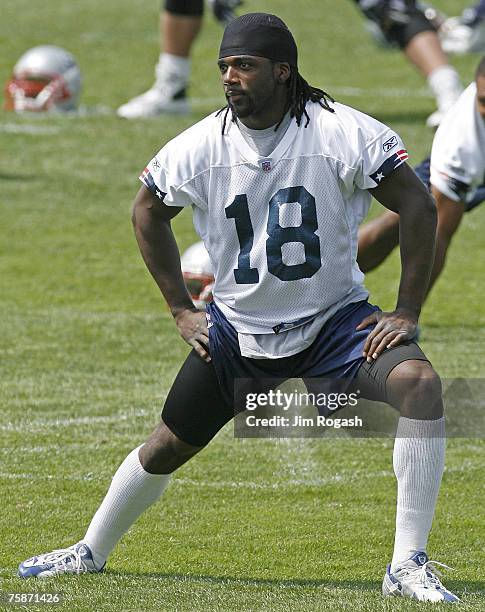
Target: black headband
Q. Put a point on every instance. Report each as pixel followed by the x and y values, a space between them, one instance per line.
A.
pixel 260 34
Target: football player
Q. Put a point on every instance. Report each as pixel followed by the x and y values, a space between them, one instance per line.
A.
pixel 279 181
pixel 404 23
pixel 180 23
pixel 455 175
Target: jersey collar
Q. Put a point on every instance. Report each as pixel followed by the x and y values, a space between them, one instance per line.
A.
pixel 252 156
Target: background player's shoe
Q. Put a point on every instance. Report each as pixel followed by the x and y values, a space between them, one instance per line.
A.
pixel 77 559
pixel 168 95
pixel 417 579
pixel 155 102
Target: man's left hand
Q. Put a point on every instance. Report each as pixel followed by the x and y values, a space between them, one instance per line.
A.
pixel 391 329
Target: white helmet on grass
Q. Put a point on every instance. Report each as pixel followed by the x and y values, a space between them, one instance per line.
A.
pixel 45 78
pixel 198 274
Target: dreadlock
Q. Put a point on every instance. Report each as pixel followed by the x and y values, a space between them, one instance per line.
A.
pixel 299 93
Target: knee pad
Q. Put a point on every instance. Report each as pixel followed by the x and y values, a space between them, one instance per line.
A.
pixel 189 8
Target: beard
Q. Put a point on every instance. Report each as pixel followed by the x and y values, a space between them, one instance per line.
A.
pixel 242 107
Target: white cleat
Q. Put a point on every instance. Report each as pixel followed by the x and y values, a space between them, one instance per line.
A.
pixel 154 102
pixel 417 578
pixel 77 559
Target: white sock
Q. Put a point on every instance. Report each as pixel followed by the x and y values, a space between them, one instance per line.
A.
pixel 131 492
pixel 419 455
pixel 446 86
pixel 172 71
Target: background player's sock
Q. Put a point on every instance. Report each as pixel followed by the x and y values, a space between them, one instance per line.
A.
pixel 419 455
pixel 131 492
pixel 446 86
pixel 172 72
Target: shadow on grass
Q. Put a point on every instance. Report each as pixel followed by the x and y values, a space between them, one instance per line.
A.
pixel 359 585
pixel 17 177
pixel 462 587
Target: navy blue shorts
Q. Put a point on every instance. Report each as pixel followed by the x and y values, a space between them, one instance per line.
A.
pixel 336 352
pixel 202 399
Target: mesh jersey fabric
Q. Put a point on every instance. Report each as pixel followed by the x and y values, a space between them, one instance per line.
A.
pixel 288 225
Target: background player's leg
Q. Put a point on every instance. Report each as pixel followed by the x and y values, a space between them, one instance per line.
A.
pixel 178 33
pixel 407 26
pixel 425 52
pixel 180 23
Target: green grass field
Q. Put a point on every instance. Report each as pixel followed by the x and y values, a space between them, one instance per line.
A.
pixel 89 351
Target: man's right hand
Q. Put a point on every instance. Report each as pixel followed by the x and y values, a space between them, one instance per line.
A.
pixel 192 325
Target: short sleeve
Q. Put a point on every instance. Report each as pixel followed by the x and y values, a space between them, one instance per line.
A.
pixel 367 149
pixel 458 152
pixel 449 172
pixel 163 186
pixel 379 158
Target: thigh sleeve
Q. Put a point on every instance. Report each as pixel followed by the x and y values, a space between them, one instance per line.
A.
pixel 371 377
pixel 195 409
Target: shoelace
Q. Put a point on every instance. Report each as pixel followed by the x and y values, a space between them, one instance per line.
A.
pixel 61 556
pixel 429 575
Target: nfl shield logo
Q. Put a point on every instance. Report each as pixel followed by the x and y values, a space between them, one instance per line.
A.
pixel 265 165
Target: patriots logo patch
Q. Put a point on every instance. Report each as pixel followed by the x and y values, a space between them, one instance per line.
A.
pixel 389 144
pixel 147 179
pixel 389 165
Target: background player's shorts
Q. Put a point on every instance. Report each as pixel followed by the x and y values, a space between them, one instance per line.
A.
pixel 201 399
pixel 399 20
pixel 191 8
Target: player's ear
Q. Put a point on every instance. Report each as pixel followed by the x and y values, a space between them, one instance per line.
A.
pixel 283 72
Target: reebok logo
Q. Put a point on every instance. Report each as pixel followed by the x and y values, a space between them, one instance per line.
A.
pixel 389 144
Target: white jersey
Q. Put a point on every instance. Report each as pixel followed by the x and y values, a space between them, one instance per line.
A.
pixel 281 231
pixel 458 153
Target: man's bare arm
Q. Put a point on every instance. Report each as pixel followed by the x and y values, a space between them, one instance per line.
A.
pixel 151 221
pixel 403 193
